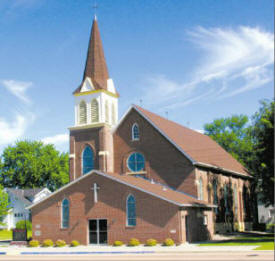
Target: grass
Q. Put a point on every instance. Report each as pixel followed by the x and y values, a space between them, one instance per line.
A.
pixel 7 235
pixel 264 242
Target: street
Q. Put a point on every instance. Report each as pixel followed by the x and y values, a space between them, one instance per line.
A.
pixel 186 256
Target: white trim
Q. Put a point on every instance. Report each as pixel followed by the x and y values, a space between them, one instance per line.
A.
pixel 127 224
pixel 72 156
pixel 122 182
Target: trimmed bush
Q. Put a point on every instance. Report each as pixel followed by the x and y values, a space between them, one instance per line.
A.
pixel 118 243
pixel 168 242
pixel 34 243
pixel 151 242
pixel 47 243
pixel 22 224
pixel 60 243
pixel 74 243
pixel 134 242
pixel 270 227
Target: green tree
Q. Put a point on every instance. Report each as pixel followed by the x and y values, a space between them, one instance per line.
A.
pixel 263 165
pixel 233 134
pixel 4 204
pixel 31 164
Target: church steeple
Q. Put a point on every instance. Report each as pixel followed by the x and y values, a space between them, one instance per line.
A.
pixel 96 67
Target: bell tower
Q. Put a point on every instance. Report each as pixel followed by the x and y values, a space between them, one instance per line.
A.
pixel 96 112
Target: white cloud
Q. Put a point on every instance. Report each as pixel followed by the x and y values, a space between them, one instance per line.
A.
pixel 10 131
pixel 242 59
pixel 18 89
pixel 57 140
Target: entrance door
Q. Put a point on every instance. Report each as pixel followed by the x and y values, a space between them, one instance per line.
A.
pixel 98 231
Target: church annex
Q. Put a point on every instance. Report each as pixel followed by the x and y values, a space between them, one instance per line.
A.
pixel 143 176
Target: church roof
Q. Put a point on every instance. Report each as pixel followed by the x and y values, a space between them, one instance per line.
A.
pixel 200 149
pixel 160 191
pixel 96 67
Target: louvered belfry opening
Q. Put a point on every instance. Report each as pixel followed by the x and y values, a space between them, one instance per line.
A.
pixel 94 111
pixel 82 113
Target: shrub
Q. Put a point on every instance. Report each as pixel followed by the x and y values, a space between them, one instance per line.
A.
pixel 47 243
pixel 74 243
pixel 134 242
pixel 34 243
pixel 22 224
pixel 168 242
pixel 151 242
pixel 118 243
pixel 60 243
pixel 270 227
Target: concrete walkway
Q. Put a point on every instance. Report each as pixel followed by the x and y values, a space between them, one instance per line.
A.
pixel 85 250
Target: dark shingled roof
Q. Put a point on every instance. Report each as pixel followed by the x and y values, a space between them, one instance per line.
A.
pixel 199 147
pixel 96 67
pixel 24 195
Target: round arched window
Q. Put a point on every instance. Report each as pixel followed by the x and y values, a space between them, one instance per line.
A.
pixel 136 162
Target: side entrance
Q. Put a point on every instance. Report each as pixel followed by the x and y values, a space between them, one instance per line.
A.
pixel 98 231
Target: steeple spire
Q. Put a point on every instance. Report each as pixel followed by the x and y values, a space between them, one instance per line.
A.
pixel 96 67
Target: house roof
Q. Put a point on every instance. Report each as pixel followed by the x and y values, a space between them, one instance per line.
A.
pixel 200 149
pixel 155 189
pixel 24 195
pixel 96 67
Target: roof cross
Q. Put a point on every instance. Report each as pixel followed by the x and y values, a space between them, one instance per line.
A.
pixel 95 6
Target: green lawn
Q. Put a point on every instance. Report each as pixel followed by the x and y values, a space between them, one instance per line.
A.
pixel 265 242
pixel 7 234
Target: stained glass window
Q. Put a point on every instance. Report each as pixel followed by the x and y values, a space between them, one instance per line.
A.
pixel 87 160
pixel 136 162
pixel 135 132
pixel 65 213
pixel 131 211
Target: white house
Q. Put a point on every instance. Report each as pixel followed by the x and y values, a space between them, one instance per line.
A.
pixel 19 200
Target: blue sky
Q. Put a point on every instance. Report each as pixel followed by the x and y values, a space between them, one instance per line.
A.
pixel 198 60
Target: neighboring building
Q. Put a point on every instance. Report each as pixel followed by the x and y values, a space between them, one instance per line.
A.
pixel 143 177
pixel 266 215
pixel 19 200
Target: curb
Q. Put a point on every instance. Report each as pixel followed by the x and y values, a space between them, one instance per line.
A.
pixel 87 253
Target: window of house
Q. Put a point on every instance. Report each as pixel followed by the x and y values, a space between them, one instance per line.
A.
pixel 135 132
pixel 87 160
pixel 136 162
pixel 65 213
pixel 82 113
pixel 94 111
pixel 235 200
pixel 131 211
pixel 226 198
pixel 200 189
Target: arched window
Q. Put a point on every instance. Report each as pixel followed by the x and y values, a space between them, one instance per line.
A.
pixel 235 200
pixel 215 194
pixel 135 132
pixel 94 111
pixel 200 189
pixel 113 114
pixel 131 211
pixel 136 162
pixel 87 160
pixel 82 113
pixel 107 112
pixel 65 213
pixel 226 198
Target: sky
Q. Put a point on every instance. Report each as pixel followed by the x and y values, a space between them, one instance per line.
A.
pixel 193 61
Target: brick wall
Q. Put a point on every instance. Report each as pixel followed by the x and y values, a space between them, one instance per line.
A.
pixel 164 163
pixel 155 218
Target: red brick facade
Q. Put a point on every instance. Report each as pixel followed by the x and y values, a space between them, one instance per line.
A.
pixel 164 163
pixel 156 218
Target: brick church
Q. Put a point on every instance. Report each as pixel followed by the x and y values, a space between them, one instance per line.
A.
pixel 142 176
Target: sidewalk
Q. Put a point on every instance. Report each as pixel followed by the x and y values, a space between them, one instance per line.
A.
pixel 89 250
